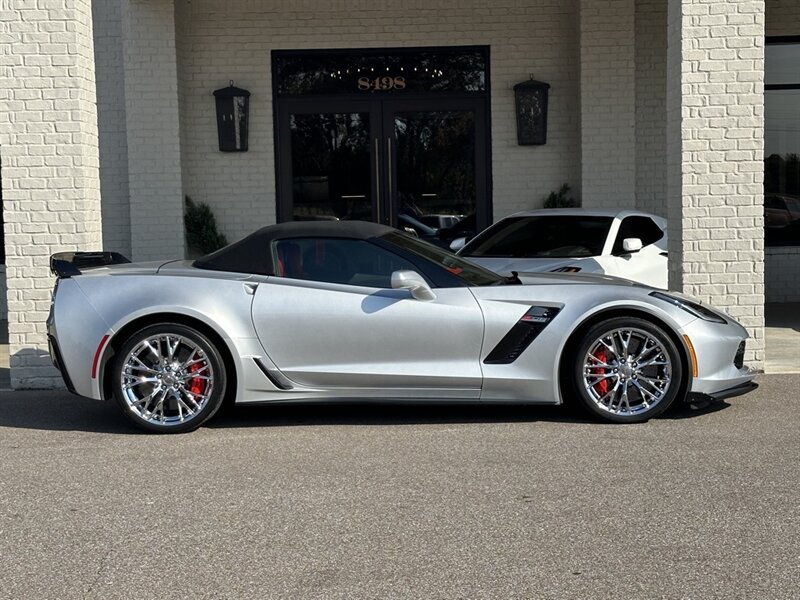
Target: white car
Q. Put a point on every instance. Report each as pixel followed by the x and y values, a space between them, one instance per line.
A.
pixel 628 244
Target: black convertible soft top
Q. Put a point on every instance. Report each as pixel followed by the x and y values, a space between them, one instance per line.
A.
pixel 253 254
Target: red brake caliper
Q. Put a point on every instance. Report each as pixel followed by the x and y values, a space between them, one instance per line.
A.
pixel 196 385
pixel 601 387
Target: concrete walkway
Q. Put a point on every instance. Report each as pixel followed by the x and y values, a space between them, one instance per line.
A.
pixel 783 337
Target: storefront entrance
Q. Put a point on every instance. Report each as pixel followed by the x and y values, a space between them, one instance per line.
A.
pixel 407 149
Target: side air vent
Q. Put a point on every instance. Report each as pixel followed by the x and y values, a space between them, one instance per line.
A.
pixel 521 335
pixel 275 379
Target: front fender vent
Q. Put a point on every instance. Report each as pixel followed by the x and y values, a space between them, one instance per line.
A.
pixel 521 335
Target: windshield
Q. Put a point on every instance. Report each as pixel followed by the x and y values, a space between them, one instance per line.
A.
pixel 469 272
pixel 553 236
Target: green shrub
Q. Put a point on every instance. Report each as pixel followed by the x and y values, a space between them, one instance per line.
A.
pixel 559 199
pixel 201 228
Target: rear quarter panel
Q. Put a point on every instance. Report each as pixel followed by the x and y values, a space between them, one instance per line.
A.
pixel 219 300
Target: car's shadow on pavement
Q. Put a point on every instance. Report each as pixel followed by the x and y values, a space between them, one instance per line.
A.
pixel 366 413
pixel 62 412
pixel 363 413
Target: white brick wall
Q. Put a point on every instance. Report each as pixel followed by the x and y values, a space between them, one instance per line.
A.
pixel 715 129
pixel 109 69
pixel 783 274
pixel 608 93
pixel 152 122
pixel 48 135
pixel 232 40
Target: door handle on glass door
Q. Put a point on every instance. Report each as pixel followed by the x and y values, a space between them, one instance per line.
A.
pixel 389 170
pixel 377 181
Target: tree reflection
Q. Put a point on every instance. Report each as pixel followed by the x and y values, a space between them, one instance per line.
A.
pixel 436 162
pixel 330 165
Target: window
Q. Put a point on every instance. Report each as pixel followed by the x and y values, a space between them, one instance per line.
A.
pixel 2 227
pixel 466 271
pixel 337 260
pixel 542 237
pixel 637 227
pixel 782 142
pixel 382 71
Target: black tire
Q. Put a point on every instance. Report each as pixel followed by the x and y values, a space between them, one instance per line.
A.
pixel 644 399
pixel 172 379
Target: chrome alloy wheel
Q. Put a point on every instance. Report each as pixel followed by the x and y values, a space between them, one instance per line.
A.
pixel 627 371
pixel 166 379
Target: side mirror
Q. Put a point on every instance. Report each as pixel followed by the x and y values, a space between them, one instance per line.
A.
pixel 458 243
pixel 413 282
pixel 631 245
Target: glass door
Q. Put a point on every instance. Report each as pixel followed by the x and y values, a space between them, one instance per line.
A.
pixel 415 164
pixel 327 161
pixel 436 166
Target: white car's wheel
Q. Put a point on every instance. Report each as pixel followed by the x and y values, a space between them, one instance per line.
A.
pixel 168 378
pixel 627 370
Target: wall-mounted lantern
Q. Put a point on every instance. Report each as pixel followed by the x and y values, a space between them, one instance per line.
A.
pixel 531 101
pixel 232 110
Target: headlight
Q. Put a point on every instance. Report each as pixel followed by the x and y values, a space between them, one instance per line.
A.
pixel 698 310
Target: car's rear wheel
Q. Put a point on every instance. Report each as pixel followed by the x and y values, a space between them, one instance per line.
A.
pixel 168 378
pixel 627 370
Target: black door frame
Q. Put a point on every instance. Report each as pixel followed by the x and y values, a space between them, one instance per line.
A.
pixel 381 108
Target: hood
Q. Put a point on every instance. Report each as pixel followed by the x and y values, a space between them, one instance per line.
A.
pixel 576 279
pixel 507 264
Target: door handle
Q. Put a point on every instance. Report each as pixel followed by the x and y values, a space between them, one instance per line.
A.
pixel 377 181
pixel 389 175
pixel 250 288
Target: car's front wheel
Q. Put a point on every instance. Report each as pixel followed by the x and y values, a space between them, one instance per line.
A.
pixel 168 378
pixel 627 370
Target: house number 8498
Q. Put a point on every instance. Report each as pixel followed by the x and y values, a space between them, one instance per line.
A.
pixel 382 83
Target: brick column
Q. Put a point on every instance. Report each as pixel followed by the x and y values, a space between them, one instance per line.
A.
pixel 152 118
pixel 608 96
pixel 715 148
pixel 48 142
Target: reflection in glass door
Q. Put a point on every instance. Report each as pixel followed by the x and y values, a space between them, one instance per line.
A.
pixel 330 163
pixel 435 182
pixel 419 165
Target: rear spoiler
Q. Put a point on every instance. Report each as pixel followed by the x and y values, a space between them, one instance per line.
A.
pixel 68 264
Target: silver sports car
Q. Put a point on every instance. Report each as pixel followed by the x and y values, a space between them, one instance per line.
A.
pixel 357 311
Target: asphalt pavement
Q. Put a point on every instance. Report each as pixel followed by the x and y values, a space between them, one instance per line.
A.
pixel 373 501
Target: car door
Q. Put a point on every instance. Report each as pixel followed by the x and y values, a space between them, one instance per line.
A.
pixel 648 265
pixel 330 319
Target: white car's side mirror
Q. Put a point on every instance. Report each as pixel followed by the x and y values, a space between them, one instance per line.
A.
pixel 458 243
pixel 413 282
pixel 631 245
